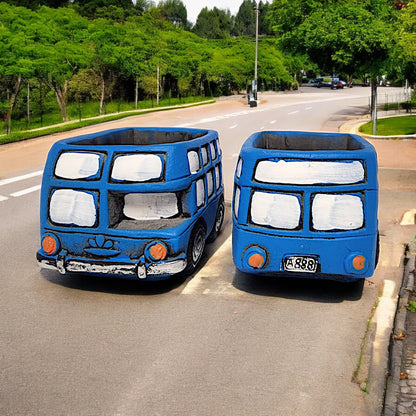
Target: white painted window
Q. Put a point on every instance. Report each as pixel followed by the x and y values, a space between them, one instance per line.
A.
pixel 193 160
pixel 337 212
pixel 151 206
pixel 236 203
pixel 213 150
pixel 275 210
pixel 309 172
pixel 239 168
pixel 210 183
pixel 200 192
pixel 218 176
pixel 205 156
pixel 137 167
pixel 72 207
pixel 77 165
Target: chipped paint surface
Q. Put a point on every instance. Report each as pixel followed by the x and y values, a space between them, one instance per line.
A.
pixel 108 197
pixel 306 203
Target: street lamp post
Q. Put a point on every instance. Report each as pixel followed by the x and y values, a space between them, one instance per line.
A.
pixel 255 58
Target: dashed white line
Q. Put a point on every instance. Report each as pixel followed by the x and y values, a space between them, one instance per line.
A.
pixel 3 198
pixel 25 191
pixel 20 178
pixel 273 121
pixel 293 112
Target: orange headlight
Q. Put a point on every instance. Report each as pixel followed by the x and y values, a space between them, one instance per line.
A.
pixel 158 251
pixel 49 244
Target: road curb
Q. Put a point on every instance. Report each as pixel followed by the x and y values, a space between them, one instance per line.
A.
pixel 401 377
pixel 353 126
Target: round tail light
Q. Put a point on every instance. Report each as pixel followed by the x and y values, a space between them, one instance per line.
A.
pixel 358 262
pixel 255 257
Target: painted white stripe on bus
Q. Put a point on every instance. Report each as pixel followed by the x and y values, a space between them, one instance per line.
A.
pixel 20 178
pixel 26 191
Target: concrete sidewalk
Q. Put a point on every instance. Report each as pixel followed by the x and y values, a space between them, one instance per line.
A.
pixel 400 398
pixel 400 395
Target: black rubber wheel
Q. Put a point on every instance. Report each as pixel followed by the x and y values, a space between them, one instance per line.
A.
pixel 196 247
pixel 219 219
pixel 377 250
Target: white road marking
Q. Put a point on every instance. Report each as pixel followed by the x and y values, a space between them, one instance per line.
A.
pixel 308 108
pixel 233 126
pixel 20 178
pixel 293 112
pixel 26 191
pixel 195 285
pixel 3 198
pixel 183 125
pixel 273 121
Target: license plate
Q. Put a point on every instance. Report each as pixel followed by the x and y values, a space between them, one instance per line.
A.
pixel 300 264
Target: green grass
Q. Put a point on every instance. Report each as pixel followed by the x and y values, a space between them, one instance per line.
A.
pixel 392 126
pixel 23 134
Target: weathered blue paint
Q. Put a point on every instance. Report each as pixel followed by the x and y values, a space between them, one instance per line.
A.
pixel 305 204
pixel 107 198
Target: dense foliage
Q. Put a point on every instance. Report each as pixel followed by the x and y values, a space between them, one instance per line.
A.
pixel 106 50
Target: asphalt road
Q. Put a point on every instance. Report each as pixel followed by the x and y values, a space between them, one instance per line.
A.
pixel 219 342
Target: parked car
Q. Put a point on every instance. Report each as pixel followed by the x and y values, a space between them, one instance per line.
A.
pixel 328 81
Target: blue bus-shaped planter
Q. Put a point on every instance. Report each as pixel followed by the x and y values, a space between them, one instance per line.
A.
pixel 134 202
pixel 305 204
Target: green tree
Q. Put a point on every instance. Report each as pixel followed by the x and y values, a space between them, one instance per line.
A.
pixel 406 49
pixel 264 26
pixel 103 8
pixel 175 12
pixel 106 38
pixel 142 6
pixel 65 50
pixel 352 36
pixel 140 43
pixel 213 24
pixel 18 53
pixel 349 36
pixel 245 20
pixel 83 86
pixel 34 4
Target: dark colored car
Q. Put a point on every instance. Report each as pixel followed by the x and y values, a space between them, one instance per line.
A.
pixel 332 82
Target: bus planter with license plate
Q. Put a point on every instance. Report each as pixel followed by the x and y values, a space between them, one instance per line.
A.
pixel 305 204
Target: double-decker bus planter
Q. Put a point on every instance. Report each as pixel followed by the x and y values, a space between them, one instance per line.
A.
pixel 305 204
pixel 132 202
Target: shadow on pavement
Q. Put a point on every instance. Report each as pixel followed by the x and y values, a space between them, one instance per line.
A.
pixel 310 290
pixel 114 285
